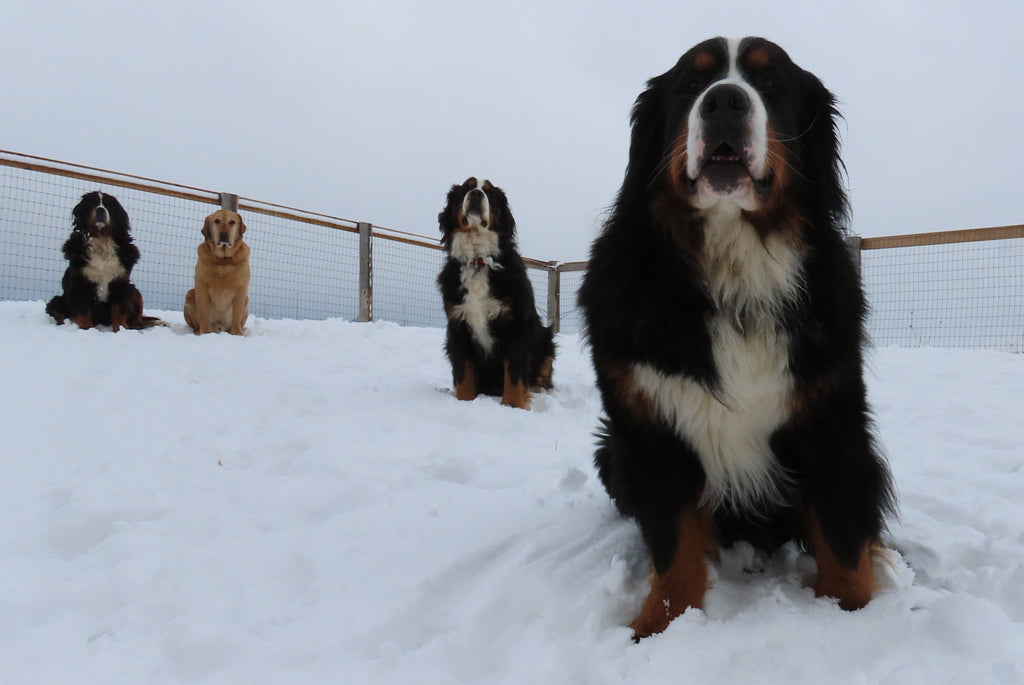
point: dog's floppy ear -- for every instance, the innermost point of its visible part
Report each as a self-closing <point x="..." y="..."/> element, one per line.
<point x="500" y="208"/>
<point x="241" y="226"/>
<point x="118" y="213"/>
<point x="442" y="218"/>
<point x="206" y="229"/>
<point x="646" y="144"/>
<point x="80" y="213"/>
<point x="823" y="166"/>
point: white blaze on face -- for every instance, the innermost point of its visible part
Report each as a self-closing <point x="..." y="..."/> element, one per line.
<point x="476" y="240"/>
<point x="100" y="215"/>
<point x="480" y="218"/>
<point x="755" y="143"/>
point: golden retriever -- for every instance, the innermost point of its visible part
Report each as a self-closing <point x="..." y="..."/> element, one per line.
<point x="220" y="300"/>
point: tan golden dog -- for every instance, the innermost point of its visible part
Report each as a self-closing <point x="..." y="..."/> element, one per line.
<point x="220" y="300"/>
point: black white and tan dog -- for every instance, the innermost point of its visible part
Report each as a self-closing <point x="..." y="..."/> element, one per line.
<point x="496" y="343"/>
<point x="96" y="284"/>
<point x="725" y="318"/>
<point x="220" y="299"/>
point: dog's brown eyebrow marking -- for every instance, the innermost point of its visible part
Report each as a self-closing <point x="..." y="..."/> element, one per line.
<point x="704" y="61"/>
<point x="757" y="58"/>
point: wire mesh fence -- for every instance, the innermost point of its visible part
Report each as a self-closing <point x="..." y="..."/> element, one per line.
<point x="961" y="294"/>
<point x="952" y="289"/>
<point x="304" y="265"/>
<point x="404" y="283"/>
<point x="35" y="220"/>
<point x="570" y="316"/>
<point x="299" y="270"/>
<point x="539" y="281"/>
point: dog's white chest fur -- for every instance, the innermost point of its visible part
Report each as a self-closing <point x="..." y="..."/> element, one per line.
<point x="479" y="307"/>
<point x="103" y="265"/>
<point x="749" y="281"/>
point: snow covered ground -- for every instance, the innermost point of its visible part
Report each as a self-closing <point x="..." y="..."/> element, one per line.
<point x="310" y="504"/>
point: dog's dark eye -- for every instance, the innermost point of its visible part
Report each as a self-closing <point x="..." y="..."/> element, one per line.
<point x="767" y="81"/>
<point x="694" y="85"/>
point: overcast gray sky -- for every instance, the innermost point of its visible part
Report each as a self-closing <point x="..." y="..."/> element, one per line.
<point x="371" y="110"/>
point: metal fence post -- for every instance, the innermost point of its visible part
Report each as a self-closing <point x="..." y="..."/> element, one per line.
<point x="229" y="201"/>
<point x="554" y="297"/>
<point x="853" y="245"/>
<point x="365" y="271"/>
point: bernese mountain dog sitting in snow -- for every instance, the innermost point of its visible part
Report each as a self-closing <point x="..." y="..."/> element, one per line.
<point x="96" y="284"/>
<point x="725" y="320"/>
<point x="496" y="343"/>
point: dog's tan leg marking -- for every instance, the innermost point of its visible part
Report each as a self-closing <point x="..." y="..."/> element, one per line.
<point x="466" y="388"/>
<point x="117" y="318"/>
<point x="545" y="374"/>
<point x="853" y="587"/>
<point x="682" y="585"/>
<point x="515" y="394"/>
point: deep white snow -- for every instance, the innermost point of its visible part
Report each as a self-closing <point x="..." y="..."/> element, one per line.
<point x="310" y="504"/>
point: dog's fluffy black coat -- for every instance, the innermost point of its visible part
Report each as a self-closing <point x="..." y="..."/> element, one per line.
<point x="495" y="338"/>
<point x="658" y="323"/>
<point x="97" y="289"/>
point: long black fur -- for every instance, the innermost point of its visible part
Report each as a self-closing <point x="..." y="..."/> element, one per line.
<point x="519" y="336"/>
<point x="644" y="301"/>
<point x="79" y="300"/>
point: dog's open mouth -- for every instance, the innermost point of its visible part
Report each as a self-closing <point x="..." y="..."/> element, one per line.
<point x="724" y="154"/>
<point x="725" y="170"/>
<point x="472" y="221"/>
<point x="725" y="159"/>
<point x="98" y="228"/>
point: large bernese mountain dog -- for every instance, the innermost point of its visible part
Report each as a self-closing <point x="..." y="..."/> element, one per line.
<point x="725" y="319"/>
<point x="496" y="342"/>
<point x="100" y="254"/>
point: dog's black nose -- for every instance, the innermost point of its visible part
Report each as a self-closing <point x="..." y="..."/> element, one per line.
<point x="476" y="200"/>
<point x="100" y="215"/>
<point x="724" y="101"/>
<point x="222" y="238"/>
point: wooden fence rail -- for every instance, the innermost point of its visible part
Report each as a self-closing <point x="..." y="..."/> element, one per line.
<point x="367" y="233"/>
